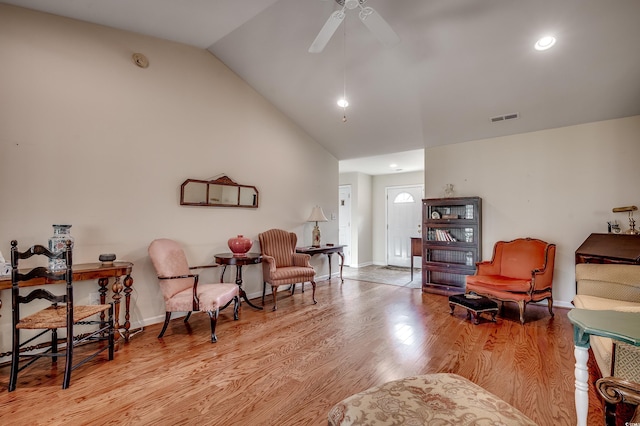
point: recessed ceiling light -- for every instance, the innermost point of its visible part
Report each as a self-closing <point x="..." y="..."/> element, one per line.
<point x="545" y="43"/>
<point x="342" y="103"/>
<point x="393" y="166"/>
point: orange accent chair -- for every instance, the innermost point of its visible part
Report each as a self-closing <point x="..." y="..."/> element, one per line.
<point x="281" y="265"/>
<point x="520" y="271"/>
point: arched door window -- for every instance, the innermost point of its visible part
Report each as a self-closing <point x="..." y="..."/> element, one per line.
<point x="403" y="197"/>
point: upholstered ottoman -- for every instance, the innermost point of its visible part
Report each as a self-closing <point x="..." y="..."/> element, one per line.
<point x="474" y="304"/>
<point x="438" y="399"/>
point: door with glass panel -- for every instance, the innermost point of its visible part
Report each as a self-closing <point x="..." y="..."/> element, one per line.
<point x="404" y="218"/>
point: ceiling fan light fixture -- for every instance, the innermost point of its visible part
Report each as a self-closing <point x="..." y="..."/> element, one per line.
<point x="545" y="43"/>
<point x="351" y="4"/>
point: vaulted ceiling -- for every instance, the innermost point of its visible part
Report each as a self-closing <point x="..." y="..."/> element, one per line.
<point x="458" y="63"/>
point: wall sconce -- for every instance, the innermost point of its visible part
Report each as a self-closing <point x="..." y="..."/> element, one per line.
<point x="317" y="215"/>
<point x="632" y="222"/>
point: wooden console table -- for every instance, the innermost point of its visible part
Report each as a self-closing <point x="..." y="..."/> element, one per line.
<point x="93" y="271"/>
<point x="416" y="250"/>
<point x="622" y="326"/>
<point x="328" y="250"/>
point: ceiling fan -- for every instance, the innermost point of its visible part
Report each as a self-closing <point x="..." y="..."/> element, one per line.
<point x="369" y="17"/>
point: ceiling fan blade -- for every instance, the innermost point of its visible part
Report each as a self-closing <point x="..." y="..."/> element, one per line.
<point x="378" y="26"/>
<point x="327" y="31"/>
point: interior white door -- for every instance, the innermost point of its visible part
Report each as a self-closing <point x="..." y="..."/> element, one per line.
<point x="404" y="218"/>
<point x="344" y="220"/>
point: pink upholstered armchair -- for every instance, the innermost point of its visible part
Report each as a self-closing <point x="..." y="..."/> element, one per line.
<point x="281" y="265"/>
<point x="520" y="271"/>
<point x="181" y="290"/>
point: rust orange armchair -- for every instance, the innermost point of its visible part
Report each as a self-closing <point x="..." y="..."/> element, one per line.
<point x="520" y="271"/>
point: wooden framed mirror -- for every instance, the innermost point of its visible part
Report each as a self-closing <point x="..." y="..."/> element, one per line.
<point x="221" y="192"/>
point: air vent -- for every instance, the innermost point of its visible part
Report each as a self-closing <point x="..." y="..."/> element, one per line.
<point x="505" y="117"/>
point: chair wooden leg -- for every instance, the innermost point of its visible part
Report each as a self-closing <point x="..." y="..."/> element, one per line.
<point x="186" y="318"/>
<point x="68" y="365"/>
<point x="54" y="345"/>
<point x="167" y="317"/>
<point x="550" y="303"/>
<point x="213" y="317"/>
<point x="274" y="290"/>
<point x="15" y="357"/>
<point x="522" y="307"/>
<point x="302" y="285"/>
<point x="313" y="296"/>
<point x="264" y="290"/>
<point x="236" y="305"/>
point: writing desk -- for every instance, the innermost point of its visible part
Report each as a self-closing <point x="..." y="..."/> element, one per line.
<point x="622" y="326"/>
<point x="328" y="250"/>
<point x="93" y="271"/>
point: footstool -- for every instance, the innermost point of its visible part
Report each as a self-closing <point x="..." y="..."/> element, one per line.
<point x="474" y="304"/>
<point x="443" y="399"/>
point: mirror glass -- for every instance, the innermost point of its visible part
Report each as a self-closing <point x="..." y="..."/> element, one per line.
<point x="221" y="192"/>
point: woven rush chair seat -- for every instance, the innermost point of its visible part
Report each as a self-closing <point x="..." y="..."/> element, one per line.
<point x="56" y="316"/>
<point x="446" y="399"/>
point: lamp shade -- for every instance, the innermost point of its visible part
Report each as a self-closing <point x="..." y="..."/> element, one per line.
<point x="317" y="215"/>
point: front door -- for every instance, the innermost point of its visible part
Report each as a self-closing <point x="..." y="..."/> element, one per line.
<point x="404" y="216"/>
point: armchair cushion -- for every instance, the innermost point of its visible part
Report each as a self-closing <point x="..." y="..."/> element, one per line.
<point x="210" y="298"/>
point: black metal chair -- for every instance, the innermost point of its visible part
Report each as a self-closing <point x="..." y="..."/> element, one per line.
<point x="61" y="313"/>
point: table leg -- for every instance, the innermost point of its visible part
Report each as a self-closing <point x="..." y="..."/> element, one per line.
<point x="128" y="288"/>
<point x="117" y="289"/>
<point x="412" y="267"/>
<point x="243" y="294"/>
<point x="582" y="387"/>
<point x="341" y="254"/>
<point x="329" y="256"/>
<point x="581" y="353"/>
<point x="103" y="282"/>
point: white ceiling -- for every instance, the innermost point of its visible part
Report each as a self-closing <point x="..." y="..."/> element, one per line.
<point x="459" y="63"/>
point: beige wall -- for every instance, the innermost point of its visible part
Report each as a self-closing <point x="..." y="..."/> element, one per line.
<point x="558" y="185"/>
<point x="89" y="139"/>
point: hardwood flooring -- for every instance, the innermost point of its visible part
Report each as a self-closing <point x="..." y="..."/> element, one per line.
<point x="291" y="366"/>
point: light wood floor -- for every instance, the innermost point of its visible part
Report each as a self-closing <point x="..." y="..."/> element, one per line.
<point x="289" y="367"/>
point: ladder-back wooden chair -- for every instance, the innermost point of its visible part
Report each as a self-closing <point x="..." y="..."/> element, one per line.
<point x="61" y="313"/>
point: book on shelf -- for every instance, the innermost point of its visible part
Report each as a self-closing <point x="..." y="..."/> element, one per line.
<point x="442" y="235"/>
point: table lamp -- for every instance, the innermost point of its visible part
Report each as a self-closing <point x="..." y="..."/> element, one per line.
<point x="317" y="215"/>
<point x="632" y="221"/>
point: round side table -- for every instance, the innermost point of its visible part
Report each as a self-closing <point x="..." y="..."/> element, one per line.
<point x="226" y="259"/>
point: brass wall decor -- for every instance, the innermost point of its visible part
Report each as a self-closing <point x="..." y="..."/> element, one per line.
<point x="140" y="60"/>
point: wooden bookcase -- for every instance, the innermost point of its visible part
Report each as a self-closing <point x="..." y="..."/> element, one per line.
<point x="451" y="242"/>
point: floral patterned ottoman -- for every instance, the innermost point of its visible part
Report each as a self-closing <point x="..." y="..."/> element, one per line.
<point x="432" y="399"/>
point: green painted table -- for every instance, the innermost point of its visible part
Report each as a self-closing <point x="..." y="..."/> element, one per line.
<point x="621" y="326"/>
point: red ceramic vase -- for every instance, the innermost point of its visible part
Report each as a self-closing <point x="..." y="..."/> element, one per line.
<point x="240" y="245"/>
